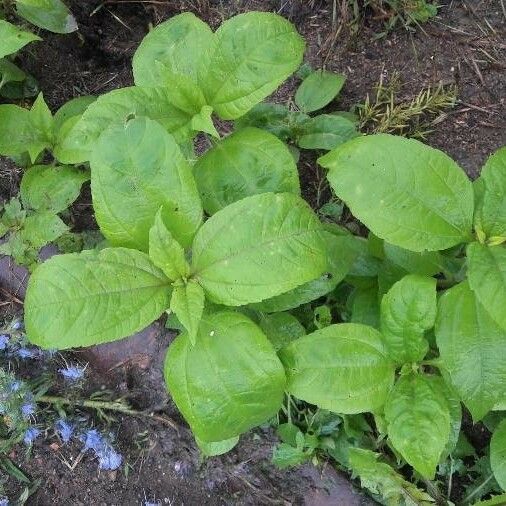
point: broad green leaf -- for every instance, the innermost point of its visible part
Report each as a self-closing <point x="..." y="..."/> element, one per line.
<point x="254" y="53"/>
<point x="10" y="73"/>
<point x="498" y="454"/>
<point x="42" y="228"/>
<point x="23" y="130"/>
<point x="248" y="162"/>
<point x="382" y="480"/>
<point x="81" y="299"/>
<point x="137" y="168"/>
<point x="340" y="252"/>
<point x="418" y="421"/>
<point x="215" y="448"/>
<point x="14" y="89"/>
<point x="365" y="306"/>
<point x="281" y="328"/>
<point x="70" y="109"/>
<point x="425" y="263"/>
<point x="118" y="106"/>
<point x="230" y="381"/>
<point x="407" y="311"/>
<point x="344" y="368"/>
<point x="203" y="122"/>
<point x="187" y="303"/>
<point x="326" y="131"/>
<point x="165" y="252"/>
<point x="497" y="500"/>
<point x="406" y="193"/>
<point x="258" y="247"/>
<point x="487" y="278"/>
<point x="51" y="15"/>
<point x="13" y="39"/>
<point x="472" y="348"/>
<point x="490" y="212"/>
<point x="182" y="45"/>
<point x="49" y="188"/>
<point x="318" y="89"/>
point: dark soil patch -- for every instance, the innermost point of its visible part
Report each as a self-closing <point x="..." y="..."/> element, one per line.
<point x="465" y="46"/>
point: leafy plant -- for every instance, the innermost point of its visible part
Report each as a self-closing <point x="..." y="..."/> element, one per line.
<point x="390" y="333"/>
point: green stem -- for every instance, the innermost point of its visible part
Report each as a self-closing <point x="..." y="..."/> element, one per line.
<point x="87" y="403"/>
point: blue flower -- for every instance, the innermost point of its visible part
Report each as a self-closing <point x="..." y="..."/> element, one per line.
<point x="27" y="409"/>
<point x="4" y="340"/>
<point x="14" y="387"/>
<point x="26" y="353"/>
<point x="109" y="459"/>
<point x="17" y="325"/>
<point x="146" y="503"/>
<point x="4" y="501"/>
<point x="92" y="440"/>
<point x="72" y="372"/>
<point x="64" y="430"/>
<point x="31" y="434"/>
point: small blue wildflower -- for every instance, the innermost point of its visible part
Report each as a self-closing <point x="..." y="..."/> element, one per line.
<point x="92" y="440"/>
<point x="17" y="325"/>
<point x="72" y="372"/>
<point x="146" y="503"/>
<point x="27" y="409"/>
<point x="14" y="387"/>
<point x="109" y="459"/>
<point x="26" y="353"/>
<point x="4" y="501"/>
<point x="4" y="340"/>
<point x="31" y="434"/>
<point x="64" y="430"/>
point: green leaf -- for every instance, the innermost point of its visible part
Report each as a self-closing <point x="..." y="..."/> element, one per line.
<point x="165" y="252"/>
<point x="203" y="122"/>
<point x="13" y="39"/>
<point x="497" y="500"/>
<point x="472" y="348"/>
<point x="258" y="247"/>
<point x="281" y="328"/>
<point x="49" y="188"/>
<point x="318" y="89"/>
<point x="51" y="15"/>
<point x="344" y="368"/>
<point x="285" y="456"/>
<point x="118" y="106"/>
<point x="425" y="263"/>
<point x="407" y="311"/>
<point x="42" y="228"/>
<point x="498" y="454"/>
<point x="248" y="162"/>
<point x="325" y="131"/>
<point x="380" y="479"/>
<point x="230" y="381"/>
<point x="187" y="303"/>
<point x="254" y="53"/>
<point x="490" y="212"/>
<point x="81" y="299"/>
<point x="487" y="278"/>
<point x="23" y="130"/>
<point x="406" y="193"/>
<point x="70" y="109"/>
<point x="214" y="448"/>
<point x="10" y="73"/>
<point x="274" y="118"/>
<point x="365" y="306"/>
<point x="418" y="421"/>
<point x="18" y="89"/>
<point x="136" y="169"/>
<point x="340" y="253"/>
<point x="182" y="45"/>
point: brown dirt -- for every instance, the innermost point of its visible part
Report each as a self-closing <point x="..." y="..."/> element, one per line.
<point x="465" y="45"/>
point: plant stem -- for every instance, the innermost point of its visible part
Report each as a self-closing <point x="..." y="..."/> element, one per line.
<point x="106" y="405"/>
<point x="476" y="490"/>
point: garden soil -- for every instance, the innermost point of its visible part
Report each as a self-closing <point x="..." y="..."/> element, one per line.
<point x="464" y="46"/>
